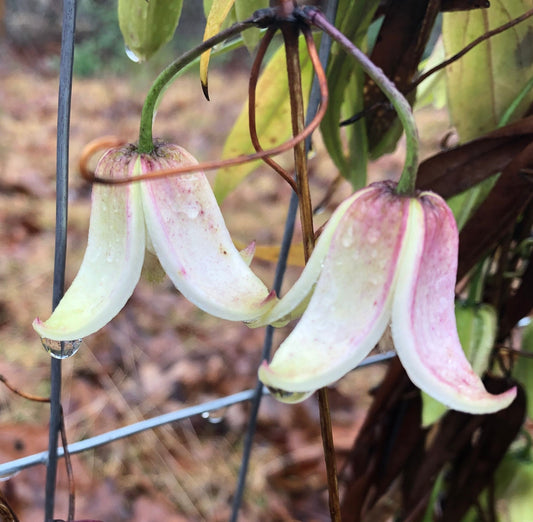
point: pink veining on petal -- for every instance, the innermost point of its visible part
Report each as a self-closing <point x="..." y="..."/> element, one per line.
<point x="194" y="247"/>
<point x="350" y="307"/>
<point x="423" y="319"/>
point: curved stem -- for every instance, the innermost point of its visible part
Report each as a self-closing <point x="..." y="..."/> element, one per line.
<point x="252" y="90"/>
<point x="146" y="144"/>
<point x="406" y="185"/>
<point x="230" y="162"/>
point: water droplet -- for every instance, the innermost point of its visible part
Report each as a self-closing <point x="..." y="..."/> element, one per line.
<point x="215" y="416"/>
<point x="61" y="349"/>
<point x="372" y="236"/>
<point x="348" y="238"/>
<point x="8" y="476"/>
<point x="191" y="210"/>
<point x="287" y="396"/>
<point x="131" y="55"/>
<point x="109" y="258"/>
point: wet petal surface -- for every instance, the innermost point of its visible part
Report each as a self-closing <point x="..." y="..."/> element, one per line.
<point x="350" y="307"/>
<point x="191" y="240"/>
<point x="112" y="263"/>
<point x="423" y="319"/>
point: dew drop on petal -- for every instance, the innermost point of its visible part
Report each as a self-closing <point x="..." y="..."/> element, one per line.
<point x="191" y="210"/>
<point x="61" y="349"/>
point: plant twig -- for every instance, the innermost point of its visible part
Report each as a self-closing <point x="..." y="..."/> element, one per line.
<point x="252" y="88"/>
<point x="146" y="144"/>
<point x="469" y="47"/>
<point x="290" y="36"/>
<point x="216" y="164"/>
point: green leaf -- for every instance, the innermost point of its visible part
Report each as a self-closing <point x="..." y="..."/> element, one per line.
<point x="348" y="147"/>
<point x="272" y="116"/>
<point x="483" y="83"/>
<point x="147" y="26"/>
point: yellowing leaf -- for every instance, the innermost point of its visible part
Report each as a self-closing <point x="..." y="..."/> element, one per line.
<point x="217" y="14"/>
<point x="272" y="118"/>
<point x="483" y="83"/>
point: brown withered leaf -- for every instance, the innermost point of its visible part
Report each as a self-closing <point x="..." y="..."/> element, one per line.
<point x="388" y="438"/>
<point x="399" y="47"/>
<point x="518" y="305"/>
<point x="454" y="171"/>
<point x="474" y="444"/>
<point x="498" y="213"/>
<point x="474" y="466"/>
<point x="6" y="513"/>
<point x="463" y="5"/>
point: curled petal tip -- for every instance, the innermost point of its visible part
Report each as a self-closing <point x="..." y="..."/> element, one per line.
<point x="248" y="253"/>
<point x="271" y="297"/>
<point x="423" y="319"/>
<point x="282" y="395"/>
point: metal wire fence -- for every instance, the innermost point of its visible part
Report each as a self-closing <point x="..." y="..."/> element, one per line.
<point x="50" y="457"/>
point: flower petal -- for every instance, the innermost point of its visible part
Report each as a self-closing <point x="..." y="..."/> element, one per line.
<point x="350" y="307"/>
<point x="295" y="301"/>
<point x="423" y="320"/>
<point x="191" y="240"/>
<point x="113" y="259"/>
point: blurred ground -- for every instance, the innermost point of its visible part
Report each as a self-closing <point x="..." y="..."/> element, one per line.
<point x="160" y="353"/>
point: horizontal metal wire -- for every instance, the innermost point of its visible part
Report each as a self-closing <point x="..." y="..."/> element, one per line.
<point x="9" y="469"/>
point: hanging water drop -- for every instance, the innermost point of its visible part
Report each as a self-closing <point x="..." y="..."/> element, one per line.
<point x="131" y="55"/>
<point x="215" y="416"/>
<point x="61" y="349"/>
<point x="8" y="476"/>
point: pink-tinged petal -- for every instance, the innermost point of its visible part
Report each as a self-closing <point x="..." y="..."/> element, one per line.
<point x="295" y="301"/>
<point x="423" y="320"/>
<point x="113" y="259"/>
<point x="248" y="253"/>
<point x="191" y="240"/>
<point x="350" y="307"/>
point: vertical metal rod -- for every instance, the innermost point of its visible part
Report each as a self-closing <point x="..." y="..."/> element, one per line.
<point x="314" y="100"/>
<point x="62" y="155"/>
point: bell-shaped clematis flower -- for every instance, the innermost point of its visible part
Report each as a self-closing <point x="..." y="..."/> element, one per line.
<point x="383" y="258"/>
<point x="179" y="220"/>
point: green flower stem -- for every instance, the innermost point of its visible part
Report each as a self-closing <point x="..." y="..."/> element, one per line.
<point x="406" y="185"/>
<point x="146" y="144"/>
